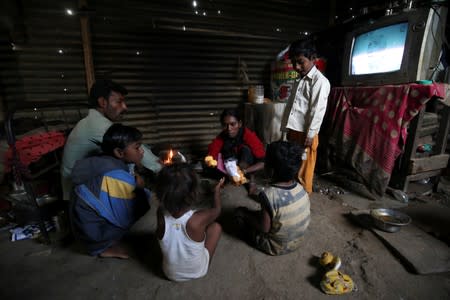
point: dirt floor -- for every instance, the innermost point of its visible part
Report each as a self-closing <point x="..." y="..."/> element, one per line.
<point x="37" y="271"/>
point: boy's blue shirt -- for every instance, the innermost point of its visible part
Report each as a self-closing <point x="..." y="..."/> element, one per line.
<point x="106" y="185"/>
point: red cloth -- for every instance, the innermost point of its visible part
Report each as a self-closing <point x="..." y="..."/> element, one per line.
<point x="367" y="126"/>
<point x="249" y="138"/>
<point x="32" y="148"/>
<point x="321" y="64"/>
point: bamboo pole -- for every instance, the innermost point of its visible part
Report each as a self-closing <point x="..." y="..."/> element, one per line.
<point x="332" y="20"/>
<point x="87" y="46"/>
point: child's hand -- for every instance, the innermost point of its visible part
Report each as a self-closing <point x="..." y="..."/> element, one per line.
<point x="139" y="181"/>
<point x="220" y="184"/>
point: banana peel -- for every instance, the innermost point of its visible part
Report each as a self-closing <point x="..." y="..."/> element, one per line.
<point x="334" y="282"/>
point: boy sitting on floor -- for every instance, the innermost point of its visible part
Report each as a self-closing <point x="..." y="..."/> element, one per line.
<point x="285" y="209"/>
<point x="108" y="198"/>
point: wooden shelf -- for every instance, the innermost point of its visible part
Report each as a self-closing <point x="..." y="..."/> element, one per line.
<point x="428" y="127"/>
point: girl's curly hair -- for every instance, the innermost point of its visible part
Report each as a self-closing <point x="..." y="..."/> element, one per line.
<point x="177" y="187"/>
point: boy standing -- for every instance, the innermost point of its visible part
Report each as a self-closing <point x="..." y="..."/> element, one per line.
<point x="306" y="107"/>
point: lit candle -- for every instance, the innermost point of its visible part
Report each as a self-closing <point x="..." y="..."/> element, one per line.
<point x="168" y="161"/>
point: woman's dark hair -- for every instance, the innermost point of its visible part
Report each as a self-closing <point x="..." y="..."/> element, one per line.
<point x="119" y="136"/>
<point x="177" y="187"/>
<point x="284" y="158"/>
<point x="232" y="112"/>
<point x="303" y="47"/>
<point x="103" y="88"/>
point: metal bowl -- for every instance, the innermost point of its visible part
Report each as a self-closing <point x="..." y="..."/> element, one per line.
<point x="389" y="220"/>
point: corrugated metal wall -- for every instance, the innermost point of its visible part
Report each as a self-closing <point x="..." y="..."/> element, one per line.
<point x="43" y="61"/>
<point x="182" y="64"/>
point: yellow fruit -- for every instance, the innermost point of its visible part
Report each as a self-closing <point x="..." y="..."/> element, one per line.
<point x="241" y="179"/>
<point x="336" y="283"/>
<point x="236" y="179"/>
<point x="326" y="258"/>
<point x="210" y="161"/>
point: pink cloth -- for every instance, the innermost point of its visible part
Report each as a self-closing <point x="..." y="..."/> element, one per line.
<point x="220" y="164"/>
<point x="367" y="126"/>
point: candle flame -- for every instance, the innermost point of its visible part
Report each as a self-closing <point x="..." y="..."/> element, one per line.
<point x="168" y="161"/>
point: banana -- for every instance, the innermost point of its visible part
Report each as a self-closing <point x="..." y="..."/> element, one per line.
<point x="210" y="161"/>
<point x="241" y="179"/>
<point x="327" y="259"/>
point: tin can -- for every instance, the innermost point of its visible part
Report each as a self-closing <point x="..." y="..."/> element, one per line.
<point x="256" y="94"/>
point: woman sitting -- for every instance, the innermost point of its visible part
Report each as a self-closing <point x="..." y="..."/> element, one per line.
<point x="238" y="142"/>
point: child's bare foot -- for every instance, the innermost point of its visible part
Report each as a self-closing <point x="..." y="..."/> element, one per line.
<point x="115" y="251"/>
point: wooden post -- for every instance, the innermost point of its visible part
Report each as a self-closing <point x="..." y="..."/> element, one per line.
<point x="87" y="47"/>
<point x="331" y="19"/>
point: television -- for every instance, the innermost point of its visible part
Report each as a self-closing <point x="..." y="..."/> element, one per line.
<point x="395" y="49"/>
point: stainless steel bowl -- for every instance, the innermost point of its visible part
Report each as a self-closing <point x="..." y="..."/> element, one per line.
<point x="389" y="220"/>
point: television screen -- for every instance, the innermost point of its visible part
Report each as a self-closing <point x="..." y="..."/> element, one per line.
<point x="379" y="50"/>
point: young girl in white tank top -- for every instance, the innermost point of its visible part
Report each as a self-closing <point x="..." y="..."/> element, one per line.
<point x="187" y="237"/>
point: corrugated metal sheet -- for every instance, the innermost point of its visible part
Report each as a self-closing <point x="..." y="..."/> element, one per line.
<point x="43" y="60"/>
<point x="182" y="68"/>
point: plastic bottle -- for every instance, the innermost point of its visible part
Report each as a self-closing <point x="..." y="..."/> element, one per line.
<point x="304" y="154"/>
